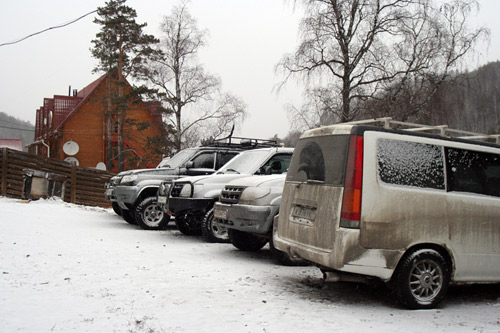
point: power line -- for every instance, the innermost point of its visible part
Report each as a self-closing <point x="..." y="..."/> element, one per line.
<point x="10" y="122"/>
<point x="54" y="27"/>
<point x="20" y="129"/>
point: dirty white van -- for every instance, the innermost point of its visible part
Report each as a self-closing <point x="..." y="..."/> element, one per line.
<point x="416" y="210"/>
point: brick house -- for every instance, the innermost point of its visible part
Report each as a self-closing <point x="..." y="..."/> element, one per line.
<point x="74" y="128"/>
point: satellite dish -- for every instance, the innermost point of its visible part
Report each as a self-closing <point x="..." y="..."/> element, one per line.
<point x="72" y="160"/>
<point x="100" y="166"/>
<point x="71" y="148"/>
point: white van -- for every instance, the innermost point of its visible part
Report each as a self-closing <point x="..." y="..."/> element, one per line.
<point x="419" y="211"/>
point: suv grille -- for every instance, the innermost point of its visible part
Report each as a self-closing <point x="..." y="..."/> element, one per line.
<point x="231" y="194"/>
<point x="176" y="189"/>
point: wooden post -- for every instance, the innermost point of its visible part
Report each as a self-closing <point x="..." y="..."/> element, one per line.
<point x="5" y="161"/>
<point x="73" y="182"/>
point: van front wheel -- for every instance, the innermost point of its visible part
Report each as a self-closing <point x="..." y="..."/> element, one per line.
<point x="421" y="279"/>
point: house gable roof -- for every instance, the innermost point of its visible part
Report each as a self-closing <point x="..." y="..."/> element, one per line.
<point x="84" y="94"/>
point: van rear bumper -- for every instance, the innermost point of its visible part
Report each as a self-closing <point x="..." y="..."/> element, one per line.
<point x="367" y="262"/>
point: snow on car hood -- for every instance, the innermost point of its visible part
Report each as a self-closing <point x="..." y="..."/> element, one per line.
<point x="265" y="180"/>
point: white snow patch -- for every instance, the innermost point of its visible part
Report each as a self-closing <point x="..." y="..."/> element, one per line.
<point x="65" y="268"/>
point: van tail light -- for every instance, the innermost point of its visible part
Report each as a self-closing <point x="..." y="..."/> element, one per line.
<point x="350" y="215"/>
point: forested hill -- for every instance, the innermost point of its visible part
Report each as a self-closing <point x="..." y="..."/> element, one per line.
<point x="13" y="128"/>
<point x="470" y="101"/>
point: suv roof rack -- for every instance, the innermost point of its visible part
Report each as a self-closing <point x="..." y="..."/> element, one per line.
<point x="243" y="143"/>
<point x="442" y="130"/>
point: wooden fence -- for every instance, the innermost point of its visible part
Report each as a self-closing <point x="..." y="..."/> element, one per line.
<point x="84" y="186"/>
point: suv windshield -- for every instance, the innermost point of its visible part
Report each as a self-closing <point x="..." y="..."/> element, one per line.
<point x="178" y="159"/>
<point x="246" y="162"/>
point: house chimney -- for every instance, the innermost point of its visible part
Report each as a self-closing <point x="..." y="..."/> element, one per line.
<point x="69" y="91"/>
<point x="75" y="92"/>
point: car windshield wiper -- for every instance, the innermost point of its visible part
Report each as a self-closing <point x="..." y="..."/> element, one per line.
<point x="232" y="170"/>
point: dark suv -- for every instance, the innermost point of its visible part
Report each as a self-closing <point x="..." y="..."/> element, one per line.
<point x="134" y="193"/>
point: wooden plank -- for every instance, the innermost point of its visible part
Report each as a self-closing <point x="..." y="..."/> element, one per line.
<point x="5" y="161"/>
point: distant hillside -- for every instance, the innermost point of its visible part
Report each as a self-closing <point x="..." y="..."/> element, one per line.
<point x="13" y="128"/>
<point x="467" y="101"/>
<point x="470" y="101"/>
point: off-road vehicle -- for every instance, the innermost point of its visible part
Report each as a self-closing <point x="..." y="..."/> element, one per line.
<point x="134" y="192"/>
<point x="192" y="198"/>
<point x="247" y="208"/>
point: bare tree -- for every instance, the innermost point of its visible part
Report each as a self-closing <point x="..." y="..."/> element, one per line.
<point x="192" y="95"/>
<point x="358" y="50"/>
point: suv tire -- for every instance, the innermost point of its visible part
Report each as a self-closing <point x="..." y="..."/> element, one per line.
<point x="187" y="224"/>
<point x="116" y="208"/>
<point x="150" y="216"/>
<point x="128" y="216"/>
<point x="245" y="241"/>
<point x="213" y="232"/>
<point x="421" y="279"/>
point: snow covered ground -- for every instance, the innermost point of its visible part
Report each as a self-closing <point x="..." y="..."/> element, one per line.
<point x="73" y="268"/>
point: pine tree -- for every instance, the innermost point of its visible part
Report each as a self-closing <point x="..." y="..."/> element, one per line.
<point x="121" y="47"/>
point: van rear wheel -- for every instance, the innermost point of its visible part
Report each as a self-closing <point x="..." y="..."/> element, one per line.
<point x="421" y="279"/>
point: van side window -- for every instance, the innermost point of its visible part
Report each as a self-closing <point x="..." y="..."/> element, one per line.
<point x="474" y="172"/>
<point x="410" y="164"/>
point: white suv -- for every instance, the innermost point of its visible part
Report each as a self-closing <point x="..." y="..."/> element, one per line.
<point x="192" y="198"/>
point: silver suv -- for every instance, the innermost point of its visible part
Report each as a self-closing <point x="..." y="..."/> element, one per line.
<point x="134" y="192"/>
<point x="192" y="198"/>
<point x="247" y="208"/>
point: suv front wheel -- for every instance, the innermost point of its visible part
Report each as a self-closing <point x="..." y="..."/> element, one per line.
<point x="213" y="232"/>
<point x="150" y="216"/>
<point x="188" y="223"/>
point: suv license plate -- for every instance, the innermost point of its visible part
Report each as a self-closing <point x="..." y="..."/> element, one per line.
<point x="109" y="192"/>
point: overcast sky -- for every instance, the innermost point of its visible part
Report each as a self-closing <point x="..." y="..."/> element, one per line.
<point x="246" y="40"/>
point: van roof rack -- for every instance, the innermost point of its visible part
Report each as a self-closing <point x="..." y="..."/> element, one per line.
<point x="442" y="130"/>
<point x="240" y="142"/>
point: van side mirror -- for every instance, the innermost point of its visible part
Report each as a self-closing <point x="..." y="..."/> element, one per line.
<point x="189" y="165"/>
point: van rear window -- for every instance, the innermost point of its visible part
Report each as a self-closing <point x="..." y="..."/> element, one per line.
<point x="410" y="164"/>
<point x="320" y="159"/>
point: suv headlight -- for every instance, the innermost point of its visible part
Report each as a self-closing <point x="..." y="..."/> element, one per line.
<point x="253" y="193"/>
<point x="186" y="191"/>
<point x="128" y="180"/>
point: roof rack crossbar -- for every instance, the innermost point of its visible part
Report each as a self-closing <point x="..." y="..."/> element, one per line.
<point x="443" y="130"/>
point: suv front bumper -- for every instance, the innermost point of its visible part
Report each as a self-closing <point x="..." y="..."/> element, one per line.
<point x="247" y="218"/>
<point x="176" y="204"/>
<point x="125" y="194"/>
